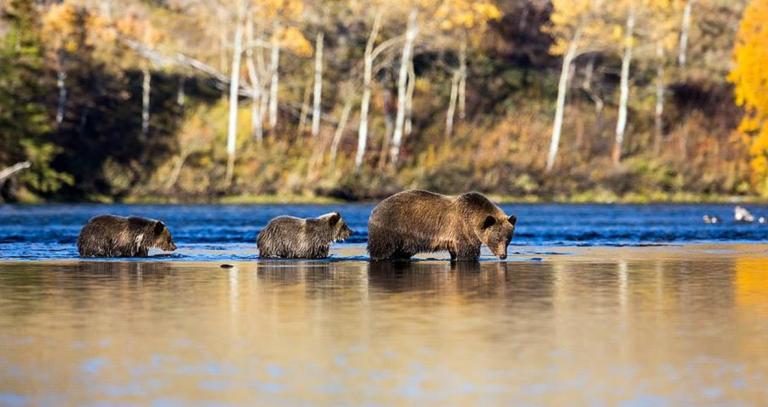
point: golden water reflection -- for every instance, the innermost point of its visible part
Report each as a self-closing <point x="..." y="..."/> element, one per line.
<point x="622" y="327"/>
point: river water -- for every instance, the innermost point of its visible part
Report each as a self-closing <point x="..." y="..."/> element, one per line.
<point x="677" y="316"/>
<point x="221" y="232"/>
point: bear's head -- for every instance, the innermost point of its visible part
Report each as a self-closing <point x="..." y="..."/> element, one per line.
<point x="340" y="230"/>
<point x="162" y="238"/>
<point x="496" y="232"/>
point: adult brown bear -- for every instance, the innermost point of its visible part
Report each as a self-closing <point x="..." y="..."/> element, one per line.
<point x="117" y="236"/>
<point x="421" y="221"/>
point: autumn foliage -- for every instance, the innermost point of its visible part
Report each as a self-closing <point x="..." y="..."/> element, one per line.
<point x="196" y="100"/>
<point x="750" y="78"/>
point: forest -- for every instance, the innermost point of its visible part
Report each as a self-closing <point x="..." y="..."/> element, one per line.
<point x="304" y="101"/>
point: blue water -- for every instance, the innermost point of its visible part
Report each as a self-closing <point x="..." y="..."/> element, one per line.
<point x="208" y="232"/>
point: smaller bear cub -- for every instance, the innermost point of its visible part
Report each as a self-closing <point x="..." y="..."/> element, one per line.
<point x="296" y="238"/>
<point x="117" y="236"/>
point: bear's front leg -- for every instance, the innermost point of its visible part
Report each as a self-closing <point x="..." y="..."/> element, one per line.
<point x="464" y="252"/>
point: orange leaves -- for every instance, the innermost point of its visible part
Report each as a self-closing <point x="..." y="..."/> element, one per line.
<point x="750" y="79"/>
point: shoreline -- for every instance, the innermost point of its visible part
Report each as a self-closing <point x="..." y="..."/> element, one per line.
<point x="587" y="199"/>
<point x="355" y="253"/>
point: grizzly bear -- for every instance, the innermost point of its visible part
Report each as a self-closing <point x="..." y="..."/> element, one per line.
<point x="296" y="238"/>
<point x="421" y="221"/>
<point x="117" y="236"/>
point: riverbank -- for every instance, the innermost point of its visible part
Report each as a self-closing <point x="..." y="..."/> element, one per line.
<point x="584" y="198"/>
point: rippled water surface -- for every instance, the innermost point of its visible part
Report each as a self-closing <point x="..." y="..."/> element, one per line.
<point x="214" y="232"/>
<point x="569" y="319"/>
<point x="641" y="326"/>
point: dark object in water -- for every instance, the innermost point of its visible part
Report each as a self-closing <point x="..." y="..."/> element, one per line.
<point x="711" y="219"/>
<point x="742" y="215"/>
<point x="227" y="266"/>
<point x="421" y="221"/>
<point x="117" y="236"/>
<point x="296" y="238"/>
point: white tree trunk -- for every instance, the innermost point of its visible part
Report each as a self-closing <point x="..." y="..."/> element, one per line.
<point x="234" y="88"/>
<point x="146" y="88"/>
<point x="341" y="127"/>
<point x="181" y="96"/>
<point x="626" y="60"/>
<point x="455" y="79"/>
<point x="318" y="90"/>
<point x="273" y="85"/>
<point x="659" y="111"/>
<point x="362" y="132"/>
<point x="61" y="84"/>
<point x="397" y="137"/>
<point x="562" y="90"/>
<point x="304" y="109"/>
<point x="257" y="128"/>
<point x="409" y="99"/>
<point x="7" y="172"/>
<point x="463" y="79"/>
<point x="684" y="29"/>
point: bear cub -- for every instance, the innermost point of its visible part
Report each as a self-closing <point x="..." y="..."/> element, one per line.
<point x="416" y="221"/>
<point x="296" y="238"/>
<point x="118" y="236"/>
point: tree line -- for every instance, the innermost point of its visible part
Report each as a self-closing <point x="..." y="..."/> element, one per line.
<point x="531" y="99"/>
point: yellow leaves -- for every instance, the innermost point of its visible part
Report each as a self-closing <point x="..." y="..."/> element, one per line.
<point x="292" y="39"/>
<point x="139" y="29"/>
<point x="750" y="79"/>
<point x="270" y="9"/>
<point x="60" y="26"/>
<point x="466" y="14"/>
<point x="63" y="23"/>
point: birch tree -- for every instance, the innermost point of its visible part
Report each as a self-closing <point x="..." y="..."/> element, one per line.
<point x="570" y="20"/>
<point x="412" y="30"/>
<point x="234" y="88"/>
<point x="318" y="88"/>
<point x="463" y="23"/>
<point x="685" y="28"/>
<point x="626" y="60"/>
<point x="368" y="56"/>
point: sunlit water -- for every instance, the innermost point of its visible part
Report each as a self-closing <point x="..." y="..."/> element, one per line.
<point x="641" y="326"/>
<point x="667" y="321"/>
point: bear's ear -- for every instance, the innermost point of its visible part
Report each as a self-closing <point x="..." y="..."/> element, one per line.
<point x="488" y="222"/>
<point x="512" y="219"/>
<point x="159" y="227"/>
<point x="333" y="218"/>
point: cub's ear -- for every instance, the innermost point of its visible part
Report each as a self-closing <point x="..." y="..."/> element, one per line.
<point x="333" y="218"/>
<point x="159" y="227"/>
<point x="512" y="219"/>
<point x="488" y="222"/>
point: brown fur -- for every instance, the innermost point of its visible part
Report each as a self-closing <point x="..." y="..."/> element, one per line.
<point x="421" y="221"/>
<point x="296" y="238"/>
<point x="117" y="236"/>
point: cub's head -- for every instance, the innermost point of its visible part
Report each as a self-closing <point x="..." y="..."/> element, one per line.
<point x="496" y="232"/>
<point x="162" y="237"/>
<point x="340" y="230"/>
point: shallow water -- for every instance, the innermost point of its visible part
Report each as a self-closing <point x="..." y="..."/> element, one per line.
<point x="639" y="326"/>
<point x="228" y="232"/>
